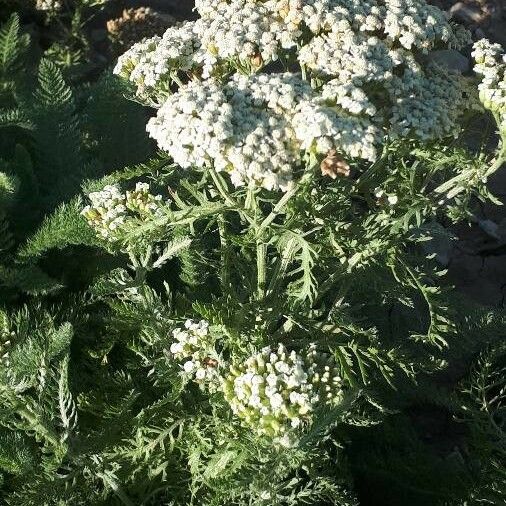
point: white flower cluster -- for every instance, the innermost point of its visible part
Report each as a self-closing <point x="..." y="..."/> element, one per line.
<point x="256" y="128"/>
<point x="414" y="23"/>
<point x="244" y="29"/>
<point x="491" y="64"/>
<point x="48" y="5"/>
<point x="362" y="58"/>
<point x="427" y="105"/>
<point x="259" y="31"/>
<point x="275" y="391"/>
<point x="153" y="63"/>
<point x="110" y="209"/>
<point x="348" y="56"/>
<point x="194" y="347"/>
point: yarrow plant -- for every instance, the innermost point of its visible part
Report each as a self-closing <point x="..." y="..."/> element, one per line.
<point x="304" y="159"/>
<point x="265" y="92"/>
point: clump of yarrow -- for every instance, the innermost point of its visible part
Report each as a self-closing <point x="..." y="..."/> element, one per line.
<point x="276" y="391"/>
<point x="111" y="210"/>
<point x="491" y="65"/>
<point x="361" y="73"/>
<point x="193" y="349"/>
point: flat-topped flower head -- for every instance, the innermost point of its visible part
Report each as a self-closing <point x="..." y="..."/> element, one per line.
<point x="153" y="64"/>
<point x="425" y="104"/>
<point x="256" y="128"/>
<point x="276" y="391"/>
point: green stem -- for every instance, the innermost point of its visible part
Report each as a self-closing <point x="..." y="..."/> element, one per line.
<point x="260" y="229"/>
<point x="278" y="208"/>
<point x="221" y="186"/>
<point x="37" y="427"/>
<point x="225" y="256"/>
<point x="261" y="267"/>
<point x="116" y="488"/>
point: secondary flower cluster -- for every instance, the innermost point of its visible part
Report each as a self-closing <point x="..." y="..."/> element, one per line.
<point x="491" y="64"/>
<point x="193" y="346"/>
<point x="111" y="210"/>
<point x="362" y="58"/>
<point x="153" y="63"/>
<point x="275" y="391"/>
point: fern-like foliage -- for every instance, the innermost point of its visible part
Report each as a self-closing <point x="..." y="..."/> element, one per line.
<point x="63" y="228"/>
<point x="484" y="396"/>
<point x="14" y="118"/>
<point x="56" y="135"/>
<point x="13" y="44"/>
<point x="30" y="390"/>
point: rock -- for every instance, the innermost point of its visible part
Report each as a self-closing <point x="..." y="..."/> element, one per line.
<point x="451" y="59"/>
<point x="466" y="13"/>
<point x="490" y="228"/>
